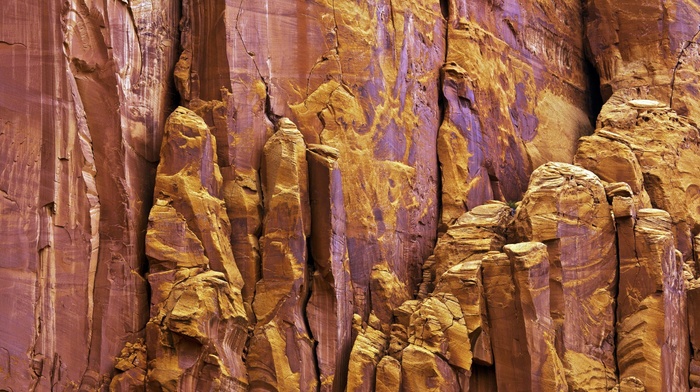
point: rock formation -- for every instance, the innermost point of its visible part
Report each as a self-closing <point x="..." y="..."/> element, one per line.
<point x="332" y="195"/>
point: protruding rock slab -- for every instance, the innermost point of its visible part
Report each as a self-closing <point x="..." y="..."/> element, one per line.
<point x="664" y="161"/>
<point x="423" y="370"/>
<point x="281" y="354"/>
<point x="367" y="352"/>
<point x="476" y="232"/>
<point x="464" y="282"/>
<point x="530" y="265"/>
<point x="329" y="310"/>
<point x="566" y="208"/>
<point x="197" y="335"/>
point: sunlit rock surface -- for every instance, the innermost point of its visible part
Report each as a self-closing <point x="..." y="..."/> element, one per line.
<point x="391" y="195"/>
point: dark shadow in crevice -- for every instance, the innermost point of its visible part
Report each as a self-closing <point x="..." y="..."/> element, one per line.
<point x="596" y="95"/>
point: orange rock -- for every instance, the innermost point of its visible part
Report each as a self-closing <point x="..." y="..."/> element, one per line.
<point x="652" y="342"/>
<point x="198" y="327"/>
<point x="515" y="88"/>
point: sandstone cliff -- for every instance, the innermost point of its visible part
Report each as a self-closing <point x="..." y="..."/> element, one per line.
<point x="337" y="195"/>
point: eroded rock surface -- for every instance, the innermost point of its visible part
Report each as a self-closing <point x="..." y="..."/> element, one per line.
<point x="566" y="208"/>
<point x="321" y="217"/>
<point x="198" y="327"/>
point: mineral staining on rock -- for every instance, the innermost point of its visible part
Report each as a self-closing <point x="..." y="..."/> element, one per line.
<point x="352" y="196"/>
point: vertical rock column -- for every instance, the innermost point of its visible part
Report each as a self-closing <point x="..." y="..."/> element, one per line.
<point x="281" y="354"/>
<point x="508" y="340"/>
<point x="198" y="326"/>
<point x="329" y="310"/>
<point x="530" y="266"/>
<point x="652" y="343"/>
<point x="566" y="208"/>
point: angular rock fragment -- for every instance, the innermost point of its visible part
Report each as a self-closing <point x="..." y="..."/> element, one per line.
<point x="478" y="231"/>
<point x="367" y="351"/>
<point x="464" y="282"/>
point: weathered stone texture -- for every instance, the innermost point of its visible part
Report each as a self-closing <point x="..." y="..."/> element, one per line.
<point x="566" y="208"/>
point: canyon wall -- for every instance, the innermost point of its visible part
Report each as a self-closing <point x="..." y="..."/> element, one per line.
<point x="394" y="195"/>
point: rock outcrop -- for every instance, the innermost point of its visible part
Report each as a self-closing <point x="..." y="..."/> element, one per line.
<point x="198" y="327"/>
<point x="563" y="205"/>
<point x="333" y="195"/>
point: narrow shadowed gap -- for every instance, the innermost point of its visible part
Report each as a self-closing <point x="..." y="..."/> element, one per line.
<point x="445" y="8"/>
<point x="595" y="96"/>
<point x="442" y="109"/>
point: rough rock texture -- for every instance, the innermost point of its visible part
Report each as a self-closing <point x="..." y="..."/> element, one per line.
<point x="198" y="326"/>
<point x="84" y="92"/>
<point x="665" y="147"/>
<point x="530" y="264"/>
<point x="652" y="341"/>
<point x="322" y="216"/>
<point x="648" y="45"/>
<point x="564" y="205"/>
<point x="515" y="87"/>
<point x="281" y="353"/>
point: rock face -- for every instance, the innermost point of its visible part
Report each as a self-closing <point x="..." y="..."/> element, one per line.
<point x="333" y="195"/>
<point x="661" y="59"/>
<point x="85" y="93"/>
<point x="516" y="95"/>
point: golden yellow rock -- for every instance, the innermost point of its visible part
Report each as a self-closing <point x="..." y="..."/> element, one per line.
<point x="666" y="148"/>
<point x="367" y="351"/>
<point x="388" y="375"/>
<point x="478" y="231"/>
<point x="197" y="336"/>
<point x="198" y="327"/>
<point x="281" y="353"/>
<point x="423" y="370"/>
<point x="464" y="282"/>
